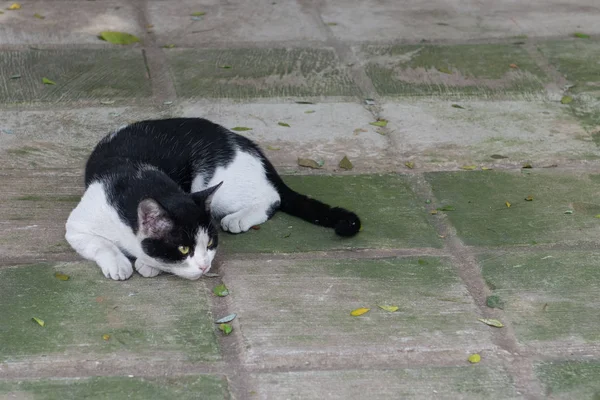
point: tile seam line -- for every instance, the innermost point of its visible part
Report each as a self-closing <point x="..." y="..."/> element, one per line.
<point x="155" y="61"/>
<point x="468" y="269"/>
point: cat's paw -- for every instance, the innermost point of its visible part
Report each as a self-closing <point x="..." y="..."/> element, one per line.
<point x="145" y="270"/>
<point x="117" y="267"/>
<point x="243" y="220"/>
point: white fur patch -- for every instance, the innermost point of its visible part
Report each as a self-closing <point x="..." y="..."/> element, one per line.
<point x="246" y="195"/>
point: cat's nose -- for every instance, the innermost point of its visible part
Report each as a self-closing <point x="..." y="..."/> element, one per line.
<point x="203" y="268"/>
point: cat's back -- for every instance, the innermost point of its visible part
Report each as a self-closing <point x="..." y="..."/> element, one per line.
<point x="177" y="146"/>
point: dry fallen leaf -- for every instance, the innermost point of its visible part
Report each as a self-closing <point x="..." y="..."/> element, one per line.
<point x="357" y="131"/>
<point x="226" y="319"/>
<point x="307" y="162"/>
<point x="527" y="165"/>
<point x="226" y="328"/>
<point x="273" y="148"/>
<point x="514" y="66"/>
<point x="14" y="6"/>
<point x="255" y="227"/>
<point x="433" y="212"/>
<point x="106" y="337"/>
<point x="198" y="14"/>
<point x="221" y="290"/>
<point x="468" y="167"/>
<point x="359" y="312"/>
<point x="529" y="198"/>
<point x="474" y="358"/>
<point x="566" y="100"/>
<point x="491" y="322"/>
<point x="61" y="276"/>
<point x="169" y="46"/>
<point x="345" y="163"/>
<point x="380" y="123"/>
<point x="486" y="168"/>
<point x="40" y="322"/>
<point x="507" y="204"/>
<point x="38" y="16"/>
<point x="118" y="37"/>
<point x="211" y="275"/>
<point x="458" y="106"/>
<point x="597" y="216"/>
<point x="309" y="111"/>
<point x="241" y="129"/>
<point x="409" y="164"/>
<point x="389" y="308"/>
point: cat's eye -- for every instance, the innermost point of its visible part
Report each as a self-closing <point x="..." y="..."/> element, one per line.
<point x="210" y="243"/>
<point x="183" y="249"/>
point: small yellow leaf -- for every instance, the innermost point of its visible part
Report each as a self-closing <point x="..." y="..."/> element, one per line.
<point x="283" y="124"/>
<point x="345" y="163"/>
<point x="566" y="100"/>
<point x="527" y="165"/>
<point x="198" y="14"/>
<point x="492" y="322"/>
<point x="15" y="6"/>
<point x="507" y="204"/>
<point x="380" y="123"/>
<point x="307" y="162"/>
<point x="273" y="148"/>
<point x="169" y="46"/>
<point x="529" y="198"/>
<point x="359" y="311"/>
<point x="225" y="328"/>
<point x="106" y="337"/>
<point x="486" y="168"/>
<point x="433" y="212"/>
<point x="474" y="358"/>
<point x="40" y="322"/>
<point x="241" y="129"/>
<point x="118" y="37"/>
<point x="468" y="167"/>
<point x="38" y="16"/>
<point x="47" y="81"/>
<point x="61" y="276"/>
<point x="597" y="216"/>
<point x="388" y="308"/>
<point x="409" y="164"/>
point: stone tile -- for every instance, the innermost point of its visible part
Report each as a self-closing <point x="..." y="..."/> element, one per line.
<point x="161" y="318"/>
<point x="550" y="297"/>
<point x="434" y="133"/>
<point x="328" y="132"/>
<point x="480" y="69"/>
<point x="298" y="312"/>
<point x="393" y="217"/>
<point x="469" y="382"/>
<point x="481" y="217"/>
<point x="78" y="74"/>
<point x="576" y="60"/>
<point x="234" y="21"/>
<point x="258" y="73"/>
<point x="66" y="22"/>
<point x="415" y="20"/>
<point x="570" y="379"/>
<point x="117" y="388"/>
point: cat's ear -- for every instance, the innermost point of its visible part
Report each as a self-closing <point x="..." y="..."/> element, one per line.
<point x="153" y="220"/>
<point x="204" y="197"/>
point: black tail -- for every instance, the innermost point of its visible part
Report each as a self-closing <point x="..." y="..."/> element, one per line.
<point x="345" y="222"/>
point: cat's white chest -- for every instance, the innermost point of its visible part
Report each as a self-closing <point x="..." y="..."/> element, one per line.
<point x="96" y="216"/>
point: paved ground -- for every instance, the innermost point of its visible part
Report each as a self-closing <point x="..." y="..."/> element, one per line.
<point x="472" y="94"/>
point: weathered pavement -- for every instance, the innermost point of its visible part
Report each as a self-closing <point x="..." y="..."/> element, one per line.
<point x="475" y="84"/>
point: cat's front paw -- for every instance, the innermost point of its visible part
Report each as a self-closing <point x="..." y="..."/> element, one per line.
<point x="145" y="270"/>
<point x="117" y="267"/>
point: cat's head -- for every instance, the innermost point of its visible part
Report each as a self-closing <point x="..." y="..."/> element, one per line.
<point x="177" y="233"/>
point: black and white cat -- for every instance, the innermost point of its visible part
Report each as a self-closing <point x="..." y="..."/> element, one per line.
<point x="154" y="187"/>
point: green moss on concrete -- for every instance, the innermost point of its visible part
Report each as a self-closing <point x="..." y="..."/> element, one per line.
<point x="390" y="213"/>
<point x="117" y="388"/>
<point x="570" y="379"/>
<point x="459" y="69"/>
<point x="549" y="296"/>
<point x="143" y="316"/>
<point x="482" y="218"/>
<point x="79" y="75"/>
<point x="577" y="60"/>
<point x="258" y="73"/>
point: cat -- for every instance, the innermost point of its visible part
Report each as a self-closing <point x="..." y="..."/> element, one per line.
<point x="155" y="188"/>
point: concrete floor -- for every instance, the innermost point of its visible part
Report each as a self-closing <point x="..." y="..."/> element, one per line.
<point x="487" y="103"/>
